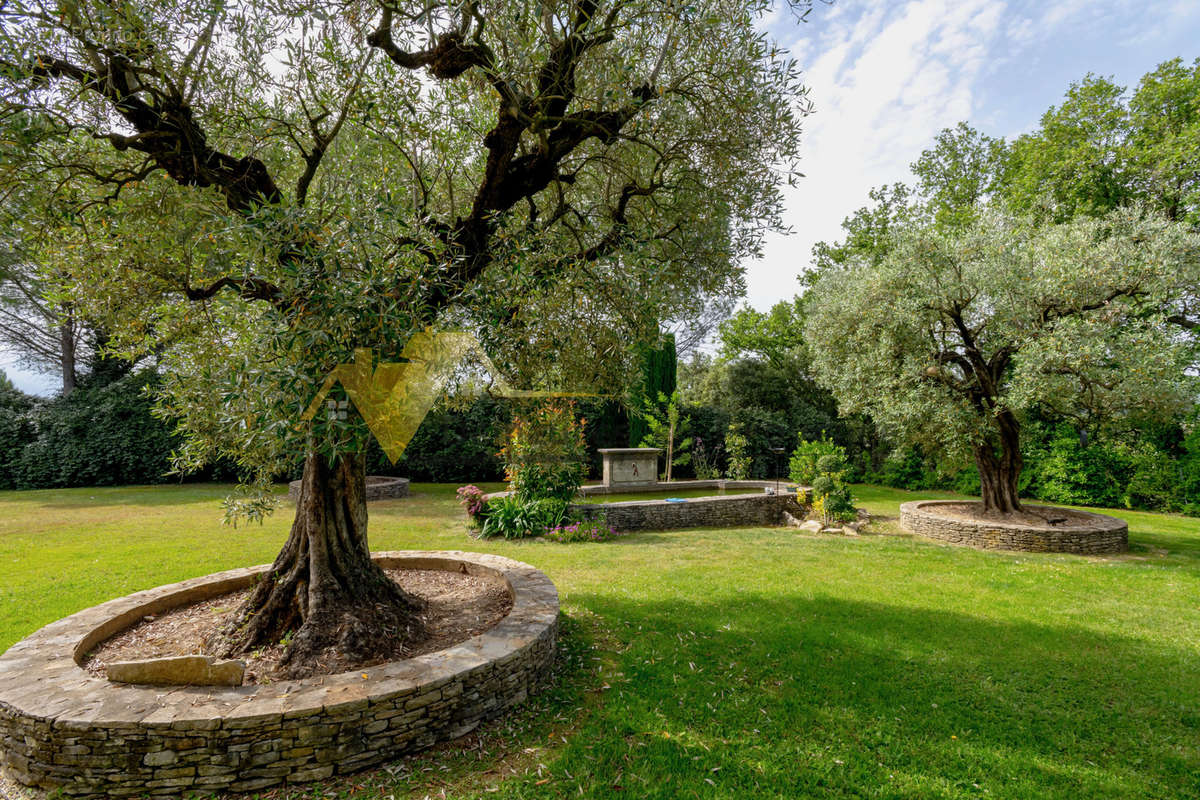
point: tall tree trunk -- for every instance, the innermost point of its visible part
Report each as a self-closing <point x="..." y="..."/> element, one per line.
<point x="339" y="608"/>
<point x="1000" y="463"/>
<point x="66" y="351"/>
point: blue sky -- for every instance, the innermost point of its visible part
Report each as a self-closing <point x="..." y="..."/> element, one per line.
<point x="886" y="76"/>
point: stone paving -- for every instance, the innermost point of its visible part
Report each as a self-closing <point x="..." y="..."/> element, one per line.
<point x="62" y="728"/>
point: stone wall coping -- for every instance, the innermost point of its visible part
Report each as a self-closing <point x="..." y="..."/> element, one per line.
<point x="629" y="450"/>
<point x="41" y="677"/>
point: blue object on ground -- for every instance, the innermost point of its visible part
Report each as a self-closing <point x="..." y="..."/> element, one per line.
<point x="676" y="499"/>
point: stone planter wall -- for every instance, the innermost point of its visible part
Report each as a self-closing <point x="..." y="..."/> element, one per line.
<point x="1105" y="535"/>
<point x="728" y="511"/>
<point x="379" y="487"/>
<point x="62" y="728"/>
<point x="718" y="511"/>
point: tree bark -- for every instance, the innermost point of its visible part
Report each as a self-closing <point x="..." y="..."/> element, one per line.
<point x="1000" y="463"/>
<point x="66" y="353"/>
<point x="324" y="599"/>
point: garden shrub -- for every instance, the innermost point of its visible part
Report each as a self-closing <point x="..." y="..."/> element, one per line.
<point x="1154" y="482"/>
<point x="545" y="453"/>
<point x="832" y="500"/>
<point x="709" y="425"/>
<point x="98" y="435"/>
<point x="1074" y="474"/>
<point x="509" y="517"/>
<point x="16" y="429"/>
<point x="802" y="466"/>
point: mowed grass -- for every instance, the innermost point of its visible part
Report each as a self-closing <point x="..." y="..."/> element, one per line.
<point x="743" y="663"/>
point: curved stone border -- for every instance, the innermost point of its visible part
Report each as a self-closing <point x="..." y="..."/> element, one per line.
<point x="379" y="487"/>
<point x="61" y="727"/>
<point x="1105" y="535"/>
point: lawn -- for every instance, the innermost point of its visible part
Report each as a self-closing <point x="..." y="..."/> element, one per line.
<point x="744" y="663"/>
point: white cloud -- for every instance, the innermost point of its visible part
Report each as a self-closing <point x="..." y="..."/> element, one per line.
<point x="883" y="83"/>
<point x="885" y="77"/>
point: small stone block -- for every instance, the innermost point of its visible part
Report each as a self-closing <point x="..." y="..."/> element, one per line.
<point x="194" y="670"/>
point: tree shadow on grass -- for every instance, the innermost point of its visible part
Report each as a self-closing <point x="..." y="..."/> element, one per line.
<point x="766" y="695"/>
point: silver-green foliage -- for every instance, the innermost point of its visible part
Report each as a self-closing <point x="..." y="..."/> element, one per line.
<point x="955" y="328"/>
<point x="251" y="191"/>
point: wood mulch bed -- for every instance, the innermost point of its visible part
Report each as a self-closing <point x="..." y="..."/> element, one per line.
<point x="1037" y="516"/>
<point x="458" y="607"/>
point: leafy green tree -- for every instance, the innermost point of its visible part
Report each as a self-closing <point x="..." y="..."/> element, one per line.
<point x="1075" y="162"/>
<point x="551" y="175"/>
<point x="868" y="232"/>
<point x="1164" y="140"/>
<point x="666" y="429"/>
<point x="955" y="334"/>
<point x="962" y="169"/>
<point x="1102" y="148"/>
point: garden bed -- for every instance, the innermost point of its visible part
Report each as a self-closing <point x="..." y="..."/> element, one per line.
<point x="458" y="606"/>
<point x="63" y="728"/>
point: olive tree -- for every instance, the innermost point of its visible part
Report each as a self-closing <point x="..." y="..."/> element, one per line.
<point x="953" y="335"/>
<point x="271" y="185"/>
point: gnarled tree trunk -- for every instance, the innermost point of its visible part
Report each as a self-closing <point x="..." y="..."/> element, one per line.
<point x="324" y="596"/>
<point x="999" y="463"/>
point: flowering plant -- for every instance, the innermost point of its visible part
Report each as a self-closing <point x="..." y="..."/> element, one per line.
<point x="545" y="454"/>
<point x="584" y="531"/>
<point x="471" y="497"/>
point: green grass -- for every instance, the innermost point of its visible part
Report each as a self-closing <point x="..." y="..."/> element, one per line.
<point x="744" y="663"/>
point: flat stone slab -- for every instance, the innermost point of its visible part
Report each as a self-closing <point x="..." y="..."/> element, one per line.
<point x="62" y="728"/>
<point x="193" y="670"/>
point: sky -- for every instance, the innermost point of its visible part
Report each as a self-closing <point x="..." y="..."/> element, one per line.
<point x="886" y="75"/>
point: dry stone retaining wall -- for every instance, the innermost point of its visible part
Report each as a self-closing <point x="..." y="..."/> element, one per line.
<point x="379" y="487"/>
<point x="62" y="728"/>
<point x="1105" y="535"/>
<point x="727" y="511"/>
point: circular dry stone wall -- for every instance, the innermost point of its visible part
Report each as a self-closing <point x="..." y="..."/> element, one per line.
<point x="62" y="728"/>
<point x="379" y="487"/>
<point x="1089" y="534"/>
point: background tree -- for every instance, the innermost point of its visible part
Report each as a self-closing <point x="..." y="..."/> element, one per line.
<point x="666" y="429"/>
<point x="38" y="322"/>
<point x="973" y="327"/>
<point x="286" y="182"/>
